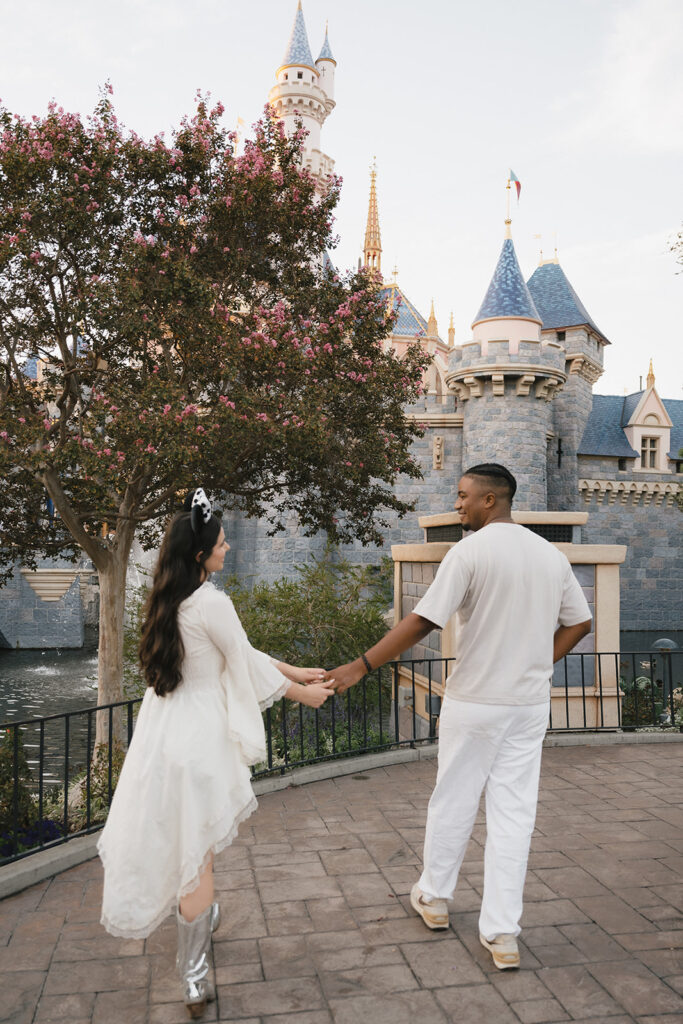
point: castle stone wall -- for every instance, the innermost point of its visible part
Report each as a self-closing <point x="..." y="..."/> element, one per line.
<point x="512" y="430"/>
<point x="27" y="621"/>
<point x="652" y="575"/>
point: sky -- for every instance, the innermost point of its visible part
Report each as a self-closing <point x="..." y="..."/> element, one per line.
<point x="581" y="98"/>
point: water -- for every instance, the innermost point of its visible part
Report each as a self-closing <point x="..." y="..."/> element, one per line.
<point x="37" y="683"/>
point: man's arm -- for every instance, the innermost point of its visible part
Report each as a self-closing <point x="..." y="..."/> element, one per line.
<point x="409" y="631"/>
<point x="568" y="637"/>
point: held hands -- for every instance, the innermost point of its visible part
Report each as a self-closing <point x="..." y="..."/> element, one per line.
<point x="346" y="676"/>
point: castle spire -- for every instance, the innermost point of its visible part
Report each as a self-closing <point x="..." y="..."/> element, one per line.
<point x="508" y="295"/>
<point x="451" y="332"/>
<point x="650" y="376"/>
<point x="432" y="329"/>
<point x="326" y="52"/>
<point x="372" y="250"/>
<point x="298" y="49"/>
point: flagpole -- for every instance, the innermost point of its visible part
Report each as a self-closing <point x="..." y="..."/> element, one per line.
<point x="508" y="233"/>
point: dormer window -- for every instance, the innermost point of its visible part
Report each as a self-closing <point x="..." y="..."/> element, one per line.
<point x="649" y="447"/>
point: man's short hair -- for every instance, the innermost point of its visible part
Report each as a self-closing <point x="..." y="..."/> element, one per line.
<point x="497" y="477"/>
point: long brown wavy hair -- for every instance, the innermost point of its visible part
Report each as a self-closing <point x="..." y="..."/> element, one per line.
<point x="177" y="575"/>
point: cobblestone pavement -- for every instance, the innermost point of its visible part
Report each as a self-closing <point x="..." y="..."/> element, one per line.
<point x="317" y="926"/>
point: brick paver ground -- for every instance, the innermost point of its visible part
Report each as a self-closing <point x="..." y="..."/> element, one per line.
<point x="317" y="926"/>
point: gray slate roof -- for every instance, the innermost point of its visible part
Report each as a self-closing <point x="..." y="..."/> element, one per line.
<point x="556" y="300"/>
<point x="298" y="49"/>
<point x="604" y="433"/>
<point x="507" y="293"/>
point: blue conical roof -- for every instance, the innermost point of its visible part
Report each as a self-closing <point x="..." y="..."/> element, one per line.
<point x="298" y="49"/>
<point x="507" y="294"/>
<point x="556" y="300"/>
<point x="326" y="52"/>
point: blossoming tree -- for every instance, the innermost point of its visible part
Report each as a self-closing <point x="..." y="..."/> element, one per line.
<point x="188" y="334"/>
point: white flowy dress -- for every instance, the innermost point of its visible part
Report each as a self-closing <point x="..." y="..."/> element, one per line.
<point x="185" y="785"/>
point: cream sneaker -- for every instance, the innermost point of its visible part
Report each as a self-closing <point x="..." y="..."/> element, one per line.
<point x="433" y="912"/>
<point x="504" y="951"/>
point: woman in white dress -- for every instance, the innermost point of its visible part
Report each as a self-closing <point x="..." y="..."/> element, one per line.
<point x="185" y="785"/>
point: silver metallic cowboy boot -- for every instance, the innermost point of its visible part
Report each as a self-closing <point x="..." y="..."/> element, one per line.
<point x="194" y="942"/>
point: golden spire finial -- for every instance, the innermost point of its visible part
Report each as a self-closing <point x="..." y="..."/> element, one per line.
<point x="650" y="376"/>
<point x="372" y="249"/>
<point x="432" y="328"/>
<point x="451" y="332"/>
<point x="395" y="274"/>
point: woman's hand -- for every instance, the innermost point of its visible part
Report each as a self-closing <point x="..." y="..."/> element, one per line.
<point x="313" y="694"/>
<point x="308" y="675"/>
<point x="297" y="674"/>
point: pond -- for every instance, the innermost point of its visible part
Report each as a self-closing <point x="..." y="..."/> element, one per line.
<point x="37" y="683"/>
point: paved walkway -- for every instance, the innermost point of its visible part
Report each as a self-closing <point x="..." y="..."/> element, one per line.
<point x="317" y="927"/>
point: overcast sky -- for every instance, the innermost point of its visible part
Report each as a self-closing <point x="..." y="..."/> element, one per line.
<point x="582" y="98"/>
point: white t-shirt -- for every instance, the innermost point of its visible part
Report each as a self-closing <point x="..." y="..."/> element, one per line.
<point x="510" y="589"/>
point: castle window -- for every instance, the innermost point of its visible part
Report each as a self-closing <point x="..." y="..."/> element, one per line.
<point x="561" y="335"/>
<point x="648" y="452"/>
<point x="299" y="74"/>
<point x="622" y="465"/>
<point x="679" y="467"/>
<point x="286" y="77"/>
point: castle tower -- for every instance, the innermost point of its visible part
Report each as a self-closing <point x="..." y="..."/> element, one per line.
<point x="565" y="320"/>
<point x="304" y="94"/>
<point x="372" y="248"/>
<point x="505" y="379"/>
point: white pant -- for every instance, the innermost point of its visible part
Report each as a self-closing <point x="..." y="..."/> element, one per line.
<point x="498" y="747"/>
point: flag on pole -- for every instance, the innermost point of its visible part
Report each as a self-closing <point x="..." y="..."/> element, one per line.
<point x="517" y="182"/>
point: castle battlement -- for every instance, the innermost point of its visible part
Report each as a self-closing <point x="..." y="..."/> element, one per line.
<point x="506" y="367"/>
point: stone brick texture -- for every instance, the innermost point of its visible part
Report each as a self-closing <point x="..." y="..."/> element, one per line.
<point x="26" y="621"/>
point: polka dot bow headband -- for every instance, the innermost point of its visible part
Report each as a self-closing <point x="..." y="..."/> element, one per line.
<point x="200" y="510"/>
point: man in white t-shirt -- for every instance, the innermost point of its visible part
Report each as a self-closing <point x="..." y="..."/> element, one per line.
<point x="519" y="608"/>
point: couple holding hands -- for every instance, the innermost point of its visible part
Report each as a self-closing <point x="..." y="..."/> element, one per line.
<point x="185" y="785"/>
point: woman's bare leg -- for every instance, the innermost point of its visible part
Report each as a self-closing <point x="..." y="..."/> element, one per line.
<point x="196" y="902"/>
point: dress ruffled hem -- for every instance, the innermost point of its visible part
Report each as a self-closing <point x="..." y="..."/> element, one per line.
<point x="195" y="871"/>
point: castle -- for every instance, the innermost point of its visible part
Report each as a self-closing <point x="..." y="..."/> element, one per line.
<point x="520" y="393"/>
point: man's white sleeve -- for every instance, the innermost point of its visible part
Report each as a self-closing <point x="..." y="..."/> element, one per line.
<point x="448" y="590"/>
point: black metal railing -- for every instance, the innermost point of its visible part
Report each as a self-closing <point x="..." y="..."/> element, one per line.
<point x="58" y="774"/>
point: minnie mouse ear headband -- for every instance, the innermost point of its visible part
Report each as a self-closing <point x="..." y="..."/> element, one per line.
<point x="199" y="507"/>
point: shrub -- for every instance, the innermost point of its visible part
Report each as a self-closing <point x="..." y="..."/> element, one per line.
<point x="332" y="612"/>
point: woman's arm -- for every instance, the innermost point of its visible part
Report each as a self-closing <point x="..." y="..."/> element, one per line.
<point x="297" y="674"/>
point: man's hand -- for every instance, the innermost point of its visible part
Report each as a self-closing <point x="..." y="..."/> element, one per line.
<point x="346" y="676"/>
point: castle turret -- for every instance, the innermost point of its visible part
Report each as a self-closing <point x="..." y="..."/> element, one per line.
<point x="299" y="95"/>
<point x="505" y="379"/>
<point x="566" y="321"/>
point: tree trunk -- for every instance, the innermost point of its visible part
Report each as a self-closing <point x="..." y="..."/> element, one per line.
<point x="112" y="579"/>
